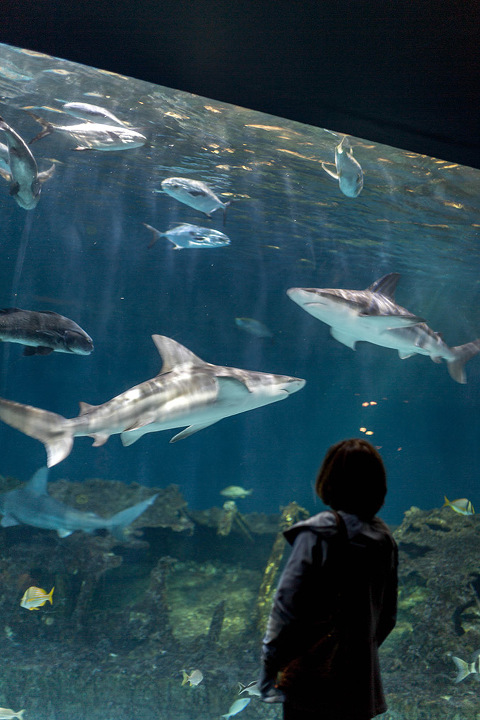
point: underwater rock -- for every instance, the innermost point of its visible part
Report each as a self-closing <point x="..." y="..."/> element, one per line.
<point x="439" y="615"/>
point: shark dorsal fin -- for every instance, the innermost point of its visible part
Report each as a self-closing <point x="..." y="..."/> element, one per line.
<point x="37" y="484"/>
<point x="386" y="286"/>
<point x="173" y="354"/>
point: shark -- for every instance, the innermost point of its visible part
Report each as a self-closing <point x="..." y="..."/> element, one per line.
<point x="188" y="392"/>
<point x="32" y="505"/>
<point x="372" y="315"/>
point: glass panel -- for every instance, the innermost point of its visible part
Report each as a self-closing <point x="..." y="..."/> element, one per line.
<point x="97" y="236"/>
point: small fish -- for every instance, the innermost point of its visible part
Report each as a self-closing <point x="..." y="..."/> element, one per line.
<point x="462" y="506"/>
<point x="6" y="714"/>
<point x="465" y="668"/>
<point x="43" y="332"/>
<point x="194" y="193"/>
<point x="236" y="707"/>
<point x="235" y="492"/>
<point x="254" y="327"/>
<point x="93" y="136"/>
<point x="195" y="678"/>
<point x="26" y="181"/>
<point x="250" y="689"/>
<point x="348" y="171"/>
<point x="190" y="236"/>
<point x="92" y="113"/>
<point x="35" y="597"/>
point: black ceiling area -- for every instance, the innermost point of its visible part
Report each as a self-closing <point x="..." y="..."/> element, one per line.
<point x="405" y="73"/>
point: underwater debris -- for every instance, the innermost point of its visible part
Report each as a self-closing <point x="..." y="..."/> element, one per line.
<point x="291" y="514"/>
<point x="216" y="625"/>
<point x="231" y="514"/>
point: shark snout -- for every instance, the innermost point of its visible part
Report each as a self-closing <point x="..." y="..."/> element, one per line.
<point x="293" y="385"/>
<point x="302" y="295"/>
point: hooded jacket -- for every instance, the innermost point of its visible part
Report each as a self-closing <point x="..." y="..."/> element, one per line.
<point x="355" y="580"/>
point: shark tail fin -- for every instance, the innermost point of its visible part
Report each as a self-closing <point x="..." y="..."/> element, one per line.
<point x="117" y="523"/>
<point x="42" y="425"/>
<point x="462" y="667"/>
<point x="463" y="353"/>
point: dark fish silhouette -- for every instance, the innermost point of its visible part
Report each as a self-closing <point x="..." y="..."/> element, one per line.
<point x="43" y="332"/>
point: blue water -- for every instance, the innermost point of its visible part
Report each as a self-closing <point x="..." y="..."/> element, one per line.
<point x="83" y="252"/>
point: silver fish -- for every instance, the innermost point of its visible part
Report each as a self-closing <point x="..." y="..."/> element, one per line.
<point x="251" y="689"/>
<point x="26" y="181"/>
<point x="93" y="136"/>
<point x="32" y="505"/>
<point x="348" y="170"/>
<point x="43" y="332"/>
<point x="190" y="236"/>
<point x="92" y="113"/>
<point x="467" y="668"/>
<point x="187" y="392"/>
<point x="236" y="707"/>
<point x="373" y="316"/>
<point x="194" y="193"/>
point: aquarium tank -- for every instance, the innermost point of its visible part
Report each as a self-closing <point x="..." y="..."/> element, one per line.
<point x="178" y="266"/>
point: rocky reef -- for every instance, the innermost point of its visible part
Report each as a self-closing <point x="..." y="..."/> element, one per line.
<point x="182" y="594"/>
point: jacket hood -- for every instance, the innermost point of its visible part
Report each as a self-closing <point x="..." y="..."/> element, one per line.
<point x="325" y="524"/>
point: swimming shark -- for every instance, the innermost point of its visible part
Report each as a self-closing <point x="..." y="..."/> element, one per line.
<point x="187" y="392"/>
<point x="32" y="505"/>
<point x="373" y="316"/>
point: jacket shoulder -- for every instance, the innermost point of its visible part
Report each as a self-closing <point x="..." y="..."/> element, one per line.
<point x="323" y="523"/>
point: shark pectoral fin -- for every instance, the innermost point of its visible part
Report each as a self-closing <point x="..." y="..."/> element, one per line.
<point x="46" y="174"/>
<point x="190" y="431"/>
<point x="345" y="339"/>
<point x="99" y="439"/>
<point x="9" y="521"/>
<point x="332" y="173"/>
<point x="61" y="532"/>
<point x="404" y="355"/>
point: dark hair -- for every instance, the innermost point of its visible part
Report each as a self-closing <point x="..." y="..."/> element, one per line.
<point x="352" y="478"/>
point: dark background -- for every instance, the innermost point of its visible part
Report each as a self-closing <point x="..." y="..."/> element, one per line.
<point x="402" y="73"/>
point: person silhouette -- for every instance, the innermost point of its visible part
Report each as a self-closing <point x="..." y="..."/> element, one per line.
<point x="336" y="600"/>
